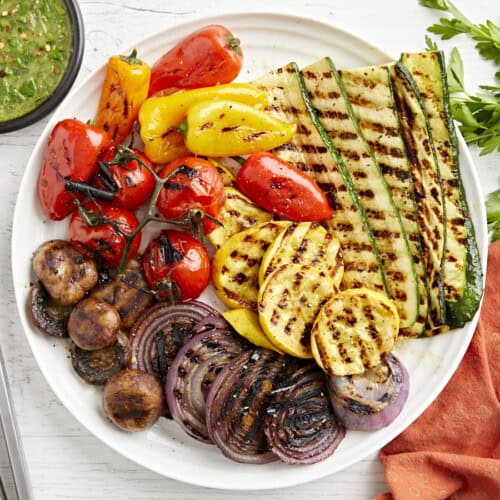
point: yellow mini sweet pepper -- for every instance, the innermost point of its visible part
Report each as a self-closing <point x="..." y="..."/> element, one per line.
<point x="159" y="116"/>
<point x="124" y="90"/>
<point x="230" y="128"/>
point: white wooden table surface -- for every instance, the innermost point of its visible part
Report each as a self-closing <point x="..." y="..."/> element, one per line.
<point x="64" y="460"/>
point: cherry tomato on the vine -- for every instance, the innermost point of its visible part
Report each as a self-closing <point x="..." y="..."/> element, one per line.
<point x="198" y="185"/>
<point x="131" y="181"/>
<point x="71" y="154"/>
<point x="105" y="240"/>
<point x="176" y="265"/>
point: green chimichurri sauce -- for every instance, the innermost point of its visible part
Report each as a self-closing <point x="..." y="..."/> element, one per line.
<point x="35" y="48"/>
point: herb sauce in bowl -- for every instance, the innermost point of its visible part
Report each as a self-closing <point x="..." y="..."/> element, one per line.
<point x="36" y="48"/>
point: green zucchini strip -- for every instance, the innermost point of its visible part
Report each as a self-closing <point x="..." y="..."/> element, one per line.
<point x="311" y="151"/>
<point x="428" y="190"/>
<point x="337" y="117"/>
<point x="372" y="99"/>
<point x="428" y="72"/>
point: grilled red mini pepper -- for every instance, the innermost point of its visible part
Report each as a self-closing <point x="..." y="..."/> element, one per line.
<point x="282" y="188"/>
<point x="210" y="56"/>
<point x="72" y="152"/>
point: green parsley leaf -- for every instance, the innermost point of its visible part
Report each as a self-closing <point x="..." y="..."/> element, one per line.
<point x="493" y="214"/>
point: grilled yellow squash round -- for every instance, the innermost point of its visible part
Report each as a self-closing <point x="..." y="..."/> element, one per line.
<point x="353" y="331"/>
<point x="246" y="323"/>
<point x="306" y="243"/>
<point x="237" y="214"/>
<point x="235" y="266"/>
<point x="289" y="300"/>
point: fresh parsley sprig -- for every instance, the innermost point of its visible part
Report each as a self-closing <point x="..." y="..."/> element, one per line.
<point x="478" y="114"/>
<point x="486" y="35"/>
<point x="493" y="214"/>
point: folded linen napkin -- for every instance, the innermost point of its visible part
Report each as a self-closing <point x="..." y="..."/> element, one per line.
<point x="453" y="449"/>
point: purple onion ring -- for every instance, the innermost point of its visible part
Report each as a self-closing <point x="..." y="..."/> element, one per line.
<point x="193" y="371"/>
<point x="301" y="427"/>
<point x="372" y="400"/>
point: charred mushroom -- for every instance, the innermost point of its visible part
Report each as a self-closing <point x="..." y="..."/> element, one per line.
<point x="95" y="367"/>
<point x="48" y="315"/>
<point x="127" y="292"/>
<point x="133" y="400"/>
<point x="93" y="324"/>
<point x="65" y="272"/>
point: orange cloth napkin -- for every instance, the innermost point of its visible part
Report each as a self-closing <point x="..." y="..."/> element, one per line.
<point x="453" y="449"/>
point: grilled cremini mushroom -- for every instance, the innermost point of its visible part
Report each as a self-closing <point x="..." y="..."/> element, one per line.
<point x="133" y="400"/>
<point x="127" y="293"/>
<point x="65" y="272"/>
<point x="93" y="324"/>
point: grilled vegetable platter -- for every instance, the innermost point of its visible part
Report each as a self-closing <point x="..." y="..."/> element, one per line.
<point x="246" y="259"/>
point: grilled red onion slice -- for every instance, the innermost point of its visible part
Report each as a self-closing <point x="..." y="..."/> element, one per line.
<point x="161" y="331"/>
<point x="301" y="427"/>
<point x="372" y="400"/>
<point x="193" y="371"/>
<point x="237" y="405"/>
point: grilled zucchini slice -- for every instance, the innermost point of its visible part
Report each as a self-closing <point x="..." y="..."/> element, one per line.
<point x="334" y="110"/>
<point x="289" y="301"/>
<point x="246" y="323"/>
<point x="378" y="120"/>
<point x="311" y="151"/>
<point x="235" y="266"/>
<point x="306" y="243"/>
<point x="237" y="214"/>
<point x="428" y="190"/>
<point x="354" y="331"/>
<point x="463" y="280"/>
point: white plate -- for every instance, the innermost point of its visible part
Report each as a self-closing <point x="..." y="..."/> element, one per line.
<point x="268" y="41"/>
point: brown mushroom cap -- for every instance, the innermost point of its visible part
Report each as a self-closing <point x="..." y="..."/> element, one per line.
<point x="133" y="400"/>
<point x="93" y="324"/>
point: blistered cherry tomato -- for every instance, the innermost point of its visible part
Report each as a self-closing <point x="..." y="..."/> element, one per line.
<point x="105" y="240"/>
<point x="176" y="261"/>
<point x="131" y="182"/>
<point x="282" y="188"/>
<point x="197" y="186"/>
<point x="72" y="152"/>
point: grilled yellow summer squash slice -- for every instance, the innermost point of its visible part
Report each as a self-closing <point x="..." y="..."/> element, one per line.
<point x="235" y="266"/>
<point x="306" y="243"/>
<point x="237" y="214"/>
<point x="246" y="323"/>
<point x="353" y="331"/>
<point x="289" y="301"/>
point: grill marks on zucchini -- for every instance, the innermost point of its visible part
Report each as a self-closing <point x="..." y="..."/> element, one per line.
<point x="379" y="123"/>
<point x="428" y="191"/>
<point x="310" y="151"/>
<point x="338" y="120"/>
<point x="428" y="72"/>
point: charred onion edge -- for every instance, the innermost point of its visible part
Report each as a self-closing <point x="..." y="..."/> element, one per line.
<point x="301" y="427"/>
<point x="247" y="373"/>
<point x="362" y="412"/>
<point x="186" y="387"/>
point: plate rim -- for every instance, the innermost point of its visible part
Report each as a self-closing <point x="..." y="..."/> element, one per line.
<point x="396" y="429"/>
